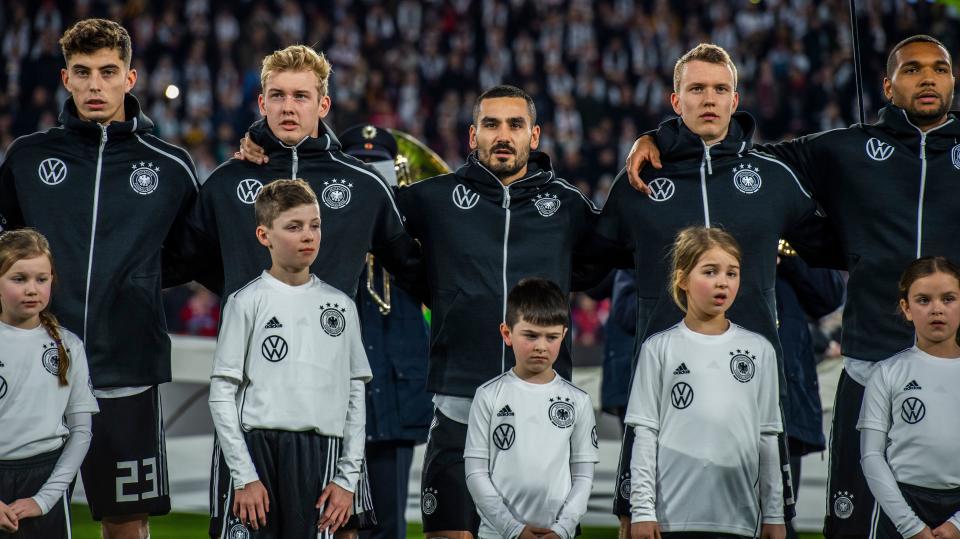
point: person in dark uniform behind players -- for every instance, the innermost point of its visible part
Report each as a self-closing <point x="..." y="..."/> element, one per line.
<point x="397" y="344"/>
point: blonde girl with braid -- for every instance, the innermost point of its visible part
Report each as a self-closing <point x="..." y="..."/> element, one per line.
<point x="46" y="401"/>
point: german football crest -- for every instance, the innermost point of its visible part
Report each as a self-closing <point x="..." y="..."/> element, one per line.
<point x="52" y="171"/>
<point x="238" y="531"/>
<point x="624" y="487"/>
<point x="428" y="502"/>
<point x="742" y="365"/>
<point x="746" y="178"/>
<point x="336" y="193"/>
<point x="144" y="178"/>
<point x="332" y="320"/>
<point x="547" y="204"/>
<point x="561" y="412"/>
<point x="51" y="359"/>
<point x="843" y="504"/>
<point x="955" y="156"/>
<point x="248" y="189"/>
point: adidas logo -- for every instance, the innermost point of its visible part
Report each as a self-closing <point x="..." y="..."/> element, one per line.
<point x="682" y="369"/>
<point x="273" y="324"/>
<point x="912" y="385"/>
<point x="505" y="411"/>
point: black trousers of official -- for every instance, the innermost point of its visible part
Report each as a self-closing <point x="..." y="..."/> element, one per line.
<point x="389" y="464"/>
<point x="932" y="506"/>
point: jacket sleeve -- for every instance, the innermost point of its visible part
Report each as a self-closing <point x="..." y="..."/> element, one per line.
<point x="11" y="216"/>
<point x="408" y="253"/>
<point x="623" y="304"/>
<point x="803" y="155"/>
<point x="178" y="262"/>
<point x="820" y="291"/>
<point x="197" y="240"/>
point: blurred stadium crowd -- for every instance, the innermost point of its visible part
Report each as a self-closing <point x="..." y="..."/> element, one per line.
<point x="600" y="71"/>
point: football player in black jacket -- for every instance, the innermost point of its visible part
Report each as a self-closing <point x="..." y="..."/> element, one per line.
<point x="107" y="193"/>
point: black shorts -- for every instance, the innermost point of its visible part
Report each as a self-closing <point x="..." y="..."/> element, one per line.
<point x="445" y="502"/>
<point x="932" y="506"/>
<point x="125" y="471"/>
<point x="849" y="501"/>
<point x="22" y="479"/>
<point x="294" y="468"/>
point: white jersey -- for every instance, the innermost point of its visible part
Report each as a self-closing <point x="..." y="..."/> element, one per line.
<point x="709" y="398"/>
<point x="531" y="433"/>
<point x="913" y="398"/>
<point x="32" y="401"/>
<point x="294" y="351"/>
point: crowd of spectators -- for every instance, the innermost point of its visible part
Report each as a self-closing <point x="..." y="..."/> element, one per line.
<point x="600" y="70"/>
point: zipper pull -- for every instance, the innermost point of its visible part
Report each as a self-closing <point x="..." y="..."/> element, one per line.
<point x="103" y="133"/>
<point x="506" y="198"/>
<point x="709" y="164"/>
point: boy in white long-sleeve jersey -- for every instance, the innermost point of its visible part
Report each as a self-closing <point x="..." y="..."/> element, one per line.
<point x="287" y="394"/>
<point x="532" y="438"/>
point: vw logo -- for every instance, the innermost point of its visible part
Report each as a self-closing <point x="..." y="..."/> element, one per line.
<point x="681" y="395"/>
<point x="248" y="189"/>
<point x="912" y="410"/>
<point x="879" y="150"/>
<point x="464" y="198"/>
<point x="661" y="189"/>
<point x="52" y="171"/>
<point x="274" y="348"/>
<point x="504" y="436"/>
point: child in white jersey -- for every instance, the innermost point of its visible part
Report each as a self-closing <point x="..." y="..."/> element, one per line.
<point x="704" y="407"/>
<point x="532" y="438"/>
<point x="287" y="389"/>
<point x="45" y="397"/>
<point x="910" y="418"/>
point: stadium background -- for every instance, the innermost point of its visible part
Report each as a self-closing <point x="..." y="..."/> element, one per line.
<point x="600" y="72"/>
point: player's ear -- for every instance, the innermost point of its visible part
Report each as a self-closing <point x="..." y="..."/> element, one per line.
<point x="505" y="333"/>
<point x="905" y="309"/>
<point x="473" y="138"/>
<point x="263" y="236"/>
<point x="564" y="335"/>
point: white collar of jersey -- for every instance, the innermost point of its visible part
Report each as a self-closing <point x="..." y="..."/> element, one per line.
<point x="4" y="325"/>
<point x="556" y="380"/>
<point x="925" y="356"/>
<point x="277" y="283"/>
<point x="712" y="339"/>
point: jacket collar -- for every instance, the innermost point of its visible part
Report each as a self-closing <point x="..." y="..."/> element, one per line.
<point x="488" y="185"/>
<point x="678" y="143"/>
<point x="263" y="136"/>
<point x="895" y="121"/>
<point x="136" y="121"/>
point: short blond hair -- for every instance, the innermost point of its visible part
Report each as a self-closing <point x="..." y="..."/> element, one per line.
<point x="704" y="52"/>
<point x="691" y="243"/>
<point x="297" y="58"/>
<point x="279" y="196"/>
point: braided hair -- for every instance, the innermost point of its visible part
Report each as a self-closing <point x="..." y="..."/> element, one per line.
<point x="28" y="243"/>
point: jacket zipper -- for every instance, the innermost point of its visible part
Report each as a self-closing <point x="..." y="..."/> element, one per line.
<point x="93" y="228"/>
<point x="923" y="176"/>
<point x="295" y="165"/>
<point x="506" y="239"/>
<point x="705" y="168"/>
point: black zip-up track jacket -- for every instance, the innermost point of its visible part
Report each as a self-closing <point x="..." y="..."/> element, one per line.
<point x="479" y="239"/>
<point x="358" y="214"/>
<point x="754" y="197"/>
<point x="107" y="198"/>
<point x="893" y="195"/>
